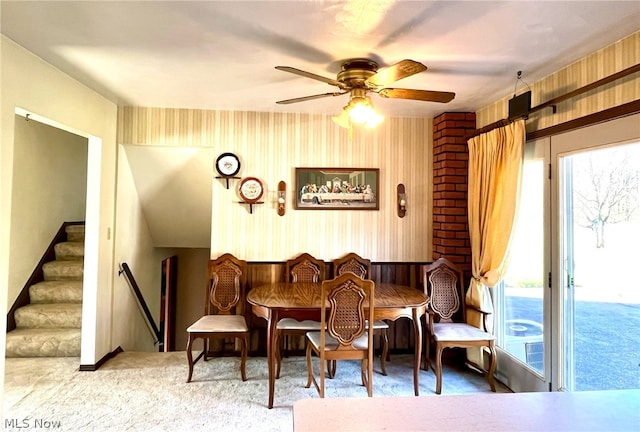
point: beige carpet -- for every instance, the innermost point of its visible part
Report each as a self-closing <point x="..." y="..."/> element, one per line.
<point x="147" y="392"/>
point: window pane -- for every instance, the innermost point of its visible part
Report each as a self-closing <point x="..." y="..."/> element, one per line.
<point x="521" y="326"/>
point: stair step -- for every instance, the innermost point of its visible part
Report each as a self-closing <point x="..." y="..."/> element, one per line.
<point x="54" y="342"/>
<point x="64" y="291"/>
<point x="63" y="270"/>
<point x="42" y="316"/>
<point x="50" y="325"/>
<point x="69" y="251"/>
<point x="75" y="233"/>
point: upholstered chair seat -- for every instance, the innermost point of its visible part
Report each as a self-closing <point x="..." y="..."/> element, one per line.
<point x="222" y="323"/>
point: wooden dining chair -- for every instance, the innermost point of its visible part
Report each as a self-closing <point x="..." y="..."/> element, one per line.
<point x="303" y="268"/>
<point x="343" y="334"/>
<point x="446" y="327"/>
<point x="353" y="263"/>
<point x="361" y="267"/>
<point x="224" y="310"/>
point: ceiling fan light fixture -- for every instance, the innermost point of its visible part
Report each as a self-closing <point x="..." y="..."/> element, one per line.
<point x="342" y="119"/>
<point x="374" y="120"/>
<point x="359" y="76"/>
<point x="361" y="111"/>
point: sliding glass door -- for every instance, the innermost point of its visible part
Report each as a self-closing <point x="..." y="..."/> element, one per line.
<point x="597" y="209"/>
<point x="568" y="310"/>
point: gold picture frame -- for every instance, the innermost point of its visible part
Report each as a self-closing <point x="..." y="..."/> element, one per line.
<point x="337" y="188"/>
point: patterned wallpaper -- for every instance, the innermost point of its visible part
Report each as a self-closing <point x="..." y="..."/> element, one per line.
<point x="270" y="146"/>
<point x="607" y="61"/>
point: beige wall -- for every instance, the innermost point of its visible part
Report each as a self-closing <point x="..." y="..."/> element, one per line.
<point x="270" y="146"/>
<point x="190" y="298"/>
<point x="134" y="246"/>
<point x="49" y="188"/>
<point x="28" y="83"/>
<point x="614" y="58"/>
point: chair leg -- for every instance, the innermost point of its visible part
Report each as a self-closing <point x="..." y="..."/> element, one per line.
<point x="426" y="360"/>
<point x="386" y="341"/>
<point x="277" y="347"/>
<point x="492" y="366"/>
<point x="438" y="370"/>
<point x="243" y="361"/>
<point x="190" y="357"/>
<point x="322" y="366"/>
<point x="370" y="377"/>
<point x="309" y="367"/>
<point x="385" y="351"/>
<point x="311" y="376"/>
<point x="366" y="371"/>
<point x="331" y="368"/>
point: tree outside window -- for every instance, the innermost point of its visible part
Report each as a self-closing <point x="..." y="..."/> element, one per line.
<point x="606" y="188"/>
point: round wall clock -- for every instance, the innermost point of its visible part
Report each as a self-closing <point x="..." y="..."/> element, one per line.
<point x="227" y="164"/>
<point x="251" y="189"/>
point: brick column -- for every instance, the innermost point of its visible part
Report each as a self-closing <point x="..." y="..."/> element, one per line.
<point x="450" y="170"/>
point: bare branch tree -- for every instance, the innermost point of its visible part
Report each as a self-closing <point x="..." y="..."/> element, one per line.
<point x="606" y="188"/>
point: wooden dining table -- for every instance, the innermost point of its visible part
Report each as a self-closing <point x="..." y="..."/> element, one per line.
<point x="278" y="300"/>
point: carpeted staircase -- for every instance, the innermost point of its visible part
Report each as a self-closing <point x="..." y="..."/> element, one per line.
<point x="50" y="325"/>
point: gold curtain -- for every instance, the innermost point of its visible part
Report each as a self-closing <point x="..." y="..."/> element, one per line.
<point x="495" y="167"/>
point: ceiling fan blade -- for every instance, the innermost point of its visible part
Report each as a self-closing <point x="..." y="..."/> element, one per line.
<point x="306" y="98"/>
<point x="421" y="95"/>
<point x="310" y="75"/>
<point x="393" y="73"/>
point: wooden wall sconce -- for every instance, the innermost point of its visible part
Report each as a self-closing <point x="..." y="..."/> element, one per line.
<point x="402" y="201"/>
<point x="282" y="194"/>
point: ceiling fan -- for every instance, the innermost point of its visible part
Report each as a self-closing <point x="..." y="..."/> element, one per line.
<point x="360" y="76"/>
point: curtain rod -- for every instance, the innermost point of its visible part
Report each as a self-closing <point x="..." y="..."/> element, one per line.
<point x="494" y="125"/>
<point x="613" y="113"/>
<point x="552" y="102"/>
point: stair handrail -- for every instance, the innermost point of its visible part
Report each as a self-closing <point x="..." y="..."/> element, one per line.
<point x="124" y="268"/>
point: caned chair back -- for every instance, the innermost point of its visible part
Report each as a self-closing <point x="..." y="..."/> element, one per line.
<point x="443" y="282"/>
<point x="305" y="268"/>
<point x="346" y="298"/>
<point x="347" y="306"/>
<point x="353" y="263"/>
<point x="225" y="285"/>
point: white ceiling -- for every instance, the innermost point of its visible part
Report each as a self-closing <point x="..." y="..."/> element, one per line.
<point x="220" y="55"/>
